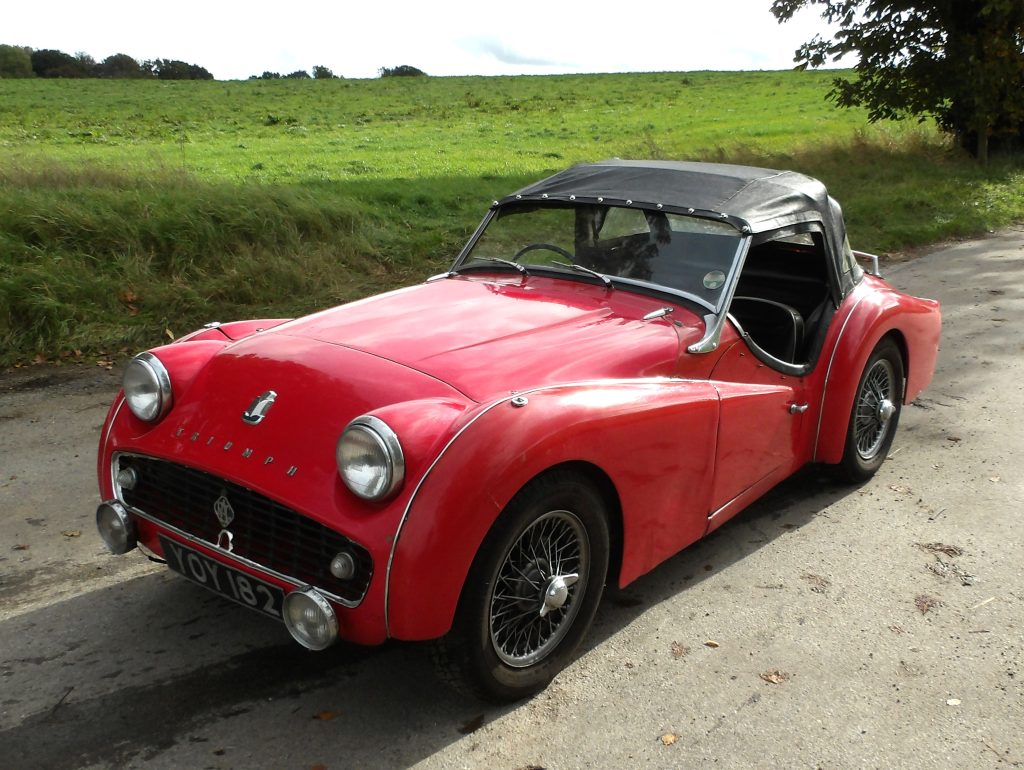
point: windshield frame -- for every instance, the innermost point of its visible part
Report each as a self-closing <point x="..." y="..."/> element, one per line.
<point x="713" y="310"/>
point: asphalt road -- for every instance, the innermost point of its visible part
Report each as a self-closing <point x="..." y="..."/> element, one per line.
<point x="828" y="626"/>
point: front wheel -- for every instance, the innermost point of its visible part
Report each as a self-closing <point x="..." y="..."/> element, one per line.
<point x="531" y="593"/>
<point x="875" y="413"/>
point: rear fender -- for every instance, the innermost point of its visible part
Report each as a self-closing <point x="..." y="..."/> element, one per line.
<point x="654" y="439"/>
<point x="914" y="323"/>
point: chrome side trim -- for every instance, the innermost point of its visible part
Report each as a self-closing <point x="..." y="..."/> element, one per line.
<point x="113" y="419"/>
<point x="828" y="374"/>
<point x="408" y="507"/>
<point x="463" y="429"/>
<point x="294" y="582"/>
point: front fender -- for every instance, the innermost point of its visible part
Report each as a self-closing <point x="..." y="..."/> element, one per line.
<point x="654" y="439"/>
<point x="879" y="311"/>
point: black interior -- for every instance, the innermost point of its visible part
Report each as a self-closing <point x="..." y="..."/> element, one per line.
<point x="782" y="300"/>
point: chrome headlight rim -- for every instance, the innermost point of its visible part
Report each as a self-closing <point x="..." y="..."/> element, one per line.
<point x="386" y="440"/>
<point x="161" y="379"/>
<point x="327" y="616"/>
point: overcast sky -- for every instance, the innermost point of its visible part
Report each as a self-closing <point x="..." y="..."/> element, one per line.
<point x="445" y="37"/>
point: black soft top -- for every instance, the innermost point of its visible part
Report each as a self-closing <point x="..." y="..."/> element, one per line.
<point x="754" y="200"/>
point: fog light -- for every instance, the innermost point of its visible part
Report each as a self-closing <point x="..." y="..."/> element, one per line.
<point x="116" y="529"/>
<point x="127" y="478"/>
<point x="343" y="566"/>
<point x="310" y="619"/>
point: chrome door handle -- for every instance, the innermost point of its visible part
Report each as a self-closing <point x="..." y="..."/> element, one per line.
<point x="797" y="408"/>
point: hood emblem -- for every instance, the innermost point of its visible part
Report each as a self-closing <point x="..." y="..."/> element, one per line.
<point x="259" y="407"/>
<point x="223" y="510"/>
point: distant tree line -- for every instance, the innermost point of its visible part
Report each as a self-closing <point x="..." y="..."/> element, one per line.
<point x="22" y="62"/>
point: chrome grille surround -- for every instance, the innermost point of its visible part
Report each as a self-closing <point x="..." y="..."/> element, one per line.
<point x="267" y="536"/>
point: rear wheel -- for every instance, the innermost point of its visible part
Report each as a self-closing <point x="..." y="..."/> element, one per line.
<point x="531" y="593"/>
<point x="875" y="413"/>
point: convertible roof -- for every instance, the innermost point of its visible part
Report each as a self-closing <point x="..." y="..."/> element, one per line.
<point x="756" y="198"/>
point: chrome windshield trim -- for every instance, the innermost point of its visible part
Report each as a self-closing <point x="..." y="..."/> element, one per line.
<point x="714" y="321"/>
<point x="295" y="582"/>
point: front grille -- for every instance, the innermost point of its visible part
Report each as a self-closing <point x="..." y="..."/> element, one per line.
<point x="264" y="532"/>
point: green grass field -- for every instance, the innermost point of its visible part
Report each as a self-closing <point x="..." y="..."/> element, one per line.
<point x="133" y="208"/>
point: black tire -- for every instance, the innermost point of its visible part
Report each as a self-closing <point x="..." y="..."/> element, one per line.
<point x="875" y="413"/>
<point x="520" y="619"/>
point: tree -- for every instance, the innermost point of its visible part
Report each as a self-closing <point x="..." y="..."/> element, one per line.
<point x="321" y="72"/>
<point x="48" y="63"/>
<point x="121" y="65"/>
<point x="172" y="69"/>
<point x="15" y="62"/>
<point x="298" y="75"/>
<point x="402" y="70"/>
<point x="959" y="61"/>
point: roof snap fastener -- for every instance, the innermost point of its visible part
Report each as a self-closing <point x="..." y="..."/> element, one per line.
<point x="519" y="401"/>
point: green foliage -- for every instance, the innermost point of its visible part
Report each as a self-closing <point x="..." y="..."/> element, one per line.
<point x="320" y="72"/>
<point x="961" y="62"/>
<point x="173" y="69"/>
<point x="401" y="71"/>
<point x="121" y="65"/>
<point x="48" y="63"/>
<point x="298" y="75"/>
<point x="15" y="62"/>
<point x="131" y="206"/>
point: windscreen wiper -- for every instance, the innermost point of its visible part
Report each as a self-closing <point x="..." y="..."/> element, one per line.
<point x="580" y="269"/>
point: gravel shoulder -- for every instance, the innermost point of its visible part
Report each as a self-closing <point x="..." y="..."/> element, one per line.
<point x="827" y="626"/>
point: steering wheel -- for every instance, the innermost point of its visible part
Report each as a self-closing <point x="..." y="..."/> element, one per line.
<point x="545" y="247"/>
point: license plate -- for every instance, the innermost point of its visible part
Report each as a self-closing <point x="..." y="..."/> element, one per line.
<point x="235" y="585"/>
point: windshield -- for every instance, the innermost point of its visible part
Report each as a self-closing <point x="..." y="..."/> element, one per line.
<point x="681" y="253"/>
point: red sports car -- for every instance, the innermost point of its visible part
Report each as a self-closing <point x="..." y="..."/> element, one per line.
<point x="624" y="356"/>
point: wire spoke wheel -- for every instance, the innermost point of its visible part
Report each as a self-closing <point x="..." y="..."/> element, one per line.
<point x="874" y="409"/>
<point x="537" y="587"/>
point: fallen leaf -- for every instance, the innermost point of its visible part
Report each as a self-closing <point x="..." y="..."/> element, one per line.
<point x="818" y="582"/>
<point x="711" y="643"/>
<point x="318" y="767"/>
<point x="953" y="702"/>
<point x="668" y="739"/>
<point x="72" y="533"/>
<point x="954" y="439"/>
<point x="679" y="650"/>
<point x="472" y="725"/>
<point x="900" y="489"/>
<point x="949" y="550"/>
<point x="170" y="334"/>
<point x="924" y="603"/>
<point x="775" y="677"/>
<point x="993" y="479"/>
<point x="325" y="716"/>
<point x="39" y="359"/>
<point x="20" y="547"/>
<point x="532" y="767"/>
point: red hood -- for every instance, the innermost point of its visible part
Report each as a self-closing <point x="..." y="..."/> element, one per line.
<point x="487" y="336"/>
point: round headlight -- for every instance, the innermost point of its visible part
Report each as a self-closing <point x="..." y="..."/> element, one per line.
<point x="147" y="387"/>
<point x="370" y="458"/>
<point x="310" y="619"/>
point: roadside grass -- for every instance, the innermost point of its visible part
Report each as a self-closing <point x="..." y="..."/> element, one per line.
<point x="134" y="209"/>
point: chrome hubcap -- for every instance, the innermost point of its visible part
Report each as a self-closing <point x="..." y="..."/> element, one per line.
<point x="537" y="589"/>
<point x="875" y="409"/>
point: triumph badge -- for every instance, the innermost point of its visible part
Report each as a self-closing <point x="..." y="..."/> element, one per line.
<point x="258" y="408"/>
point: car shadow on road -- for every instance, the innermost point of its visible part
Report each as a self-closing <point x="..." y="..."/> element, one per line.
<point x="157" y="667"/>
